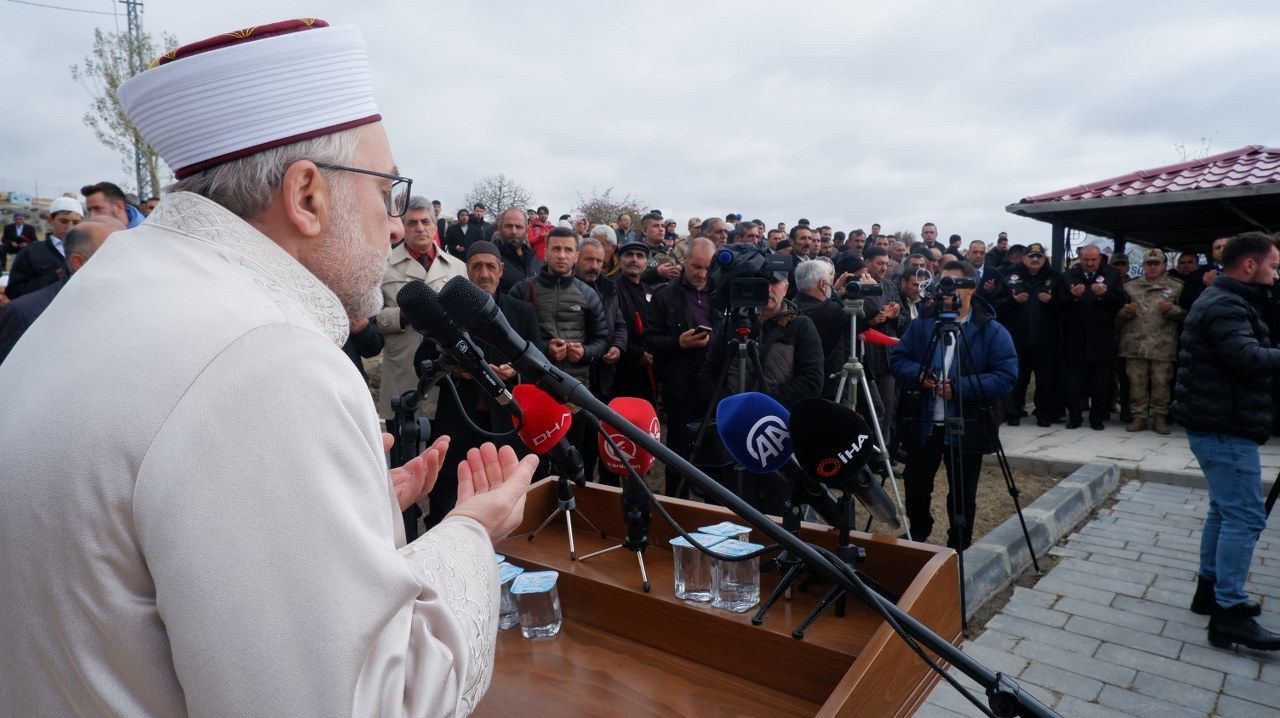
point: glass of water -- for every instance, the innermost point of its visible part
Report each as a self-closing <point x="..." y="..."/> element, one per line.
<point x="538" y="603"/>
<point x="693" y="567"/>
<point x="735" y="585"/>
<point x="508" y="615"/>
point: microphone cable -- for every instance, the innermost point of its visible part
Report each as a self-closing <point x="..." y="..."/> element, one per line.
<point x="425" y="384"/>
<point x="868" y="596"/>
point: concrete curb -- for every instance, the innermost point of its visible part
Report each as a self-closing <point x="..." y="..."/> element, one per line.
<point x="993" y="561"/>
<point x="1128" y="470"/>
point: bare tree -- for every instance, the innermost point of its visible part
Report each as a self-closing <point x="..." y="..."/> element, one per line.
<point x="113" y="60"/>
<point x="1199" y="153"/>
<point x="603" y="207"/>
<point x="498" y="192"/>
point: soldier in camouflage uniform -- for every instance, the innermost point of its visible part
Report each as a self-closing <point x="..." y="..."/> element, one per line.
<point x="1149" y="341"/>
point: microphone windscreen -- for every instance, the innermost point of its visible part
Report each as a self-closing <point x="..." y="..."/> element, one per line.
<point x="546" y="420"/>
<point x="832" y="443"/>
<point x="753" y="427"/>
<point x="642" y="414"/>
<point x="470" y="306"/>
<point x="421" y="306"/>
<point x="875" y="336"/>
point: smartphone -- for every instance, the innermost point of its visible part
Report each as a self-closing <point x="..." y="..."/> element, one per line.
<point x="702" y="329"/>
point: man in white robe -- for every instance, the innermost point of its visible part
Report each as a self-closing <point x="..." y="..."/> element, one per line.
<point x="195" y="510"/>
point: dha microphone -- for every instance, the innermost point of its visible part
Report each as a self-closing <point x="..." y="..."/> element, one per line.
<point x="421" y="306"/>
<point x="545" y="424"/>
<point x="834" y="445"/>
<point x="753" y="428"/>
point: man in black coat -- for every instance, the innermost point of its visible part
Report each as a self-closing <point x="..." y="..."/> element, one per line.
<point x="1029" y="301"/>
<point x="679" y="347"/>
<point x="1199" y="278"/>
<point x="1223" y="396"/>
<point x="518" y="258"/>
<point x="484" y="269"/>
<point x="459" y="235"/>
<point x="590" y="269"/>
<point x="42" y="263"/>
<point x="17" y="236"/>
<point x="364" y="341"/>
<point x="635" y="375"/>
<point x="1095" y="294"/>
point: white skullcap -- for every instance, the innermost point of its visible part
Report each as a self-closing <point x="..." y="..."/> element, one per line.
<point x="66" y="204"/>
<point x="236" y="94"/>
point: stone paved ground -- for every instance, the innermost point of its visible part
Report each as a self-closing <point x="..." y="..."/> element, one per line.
<point x="1107" y="632"/>
<point x="1144" y="455"/>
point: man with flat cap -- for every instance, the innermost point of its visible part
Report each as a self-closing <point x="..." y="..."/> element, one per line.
<point x="224" y="537"/>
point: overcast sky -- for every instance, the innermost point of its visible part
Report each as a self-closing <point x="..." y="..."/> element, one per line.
<point x="843" y="112"/>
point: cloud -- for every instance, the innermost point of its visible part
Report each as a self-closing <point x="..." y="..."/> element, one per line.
<point x="846" y="113"/>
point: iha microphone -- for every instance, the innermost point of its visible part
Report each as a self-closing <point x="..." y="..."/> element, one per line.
<point x="546" y="421"/>
<point x="833" y="444"/>
<point x="421" y="306"/>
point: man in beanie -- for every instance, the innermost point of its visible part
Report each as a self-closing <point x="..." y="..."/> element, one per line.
<point x="226" y="540"/>
<point x="484" y="269"/>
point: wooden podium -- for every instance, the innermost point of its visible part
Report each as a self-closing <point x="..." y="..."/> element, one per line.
<point x="623" y="652"/>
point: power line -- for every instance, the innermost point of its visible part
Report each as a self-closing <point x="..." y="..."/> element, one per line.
<point x="60" y="7"/>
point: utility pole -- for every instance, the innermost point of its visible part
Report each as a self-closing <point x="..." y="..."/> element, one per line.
<point x="133" y="14"/>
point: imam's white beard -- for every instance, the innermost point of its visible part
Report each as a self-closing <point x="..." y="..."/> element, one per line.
<point x="348" y="264"/>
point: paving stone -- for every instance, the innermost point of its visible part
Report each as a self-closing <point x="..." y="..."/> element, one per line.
<point x="1161" y="666"/>
<point x="1175" y="692"/>
<point x="1089" y="666"/>
<point x="1233" y="664"/>
<point x="1163" y="611"/>
<point x="1040" y="632"/>
<point x="1251" y="690"/>
<point x="1180" y="599"/>
<point x="1232" y="707"/>
<point x="1271" y="673"/>
<point x="1159" y="645"/>
<point x="930" y="710"/>
<point x="1091" y="547"/>
<point x="996" y="660"/>
<point x="1099" y="540"/>
<point x="1110" y="615"/>
<point x="1181" y="554"/>
<point x="1144" y="706"/>
<point x="1186" y="634"/>
<point x="1059" y="584"/>
<point x="1180" y="574"/>
<point x="1072" y="706"/>
<point x="1181" y="544"/>
<point x="1098" y="583"/>
<point x="1064" y="682"/>
<point x="1131" y="574"/>
<point x="998" y="640"/>
<point x="1048" y="617"/>
<point x="1067" y="552"/>
<point x="1153" y="559"/>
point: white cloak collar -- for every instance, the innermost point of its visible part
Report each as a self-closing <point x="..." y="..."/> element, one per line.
<point x="275" y="270"/>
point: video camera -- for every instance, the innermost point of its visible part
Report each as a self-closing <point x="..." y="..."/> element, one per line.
<point x="857" y="290"/>
<point x="740" y="276"/>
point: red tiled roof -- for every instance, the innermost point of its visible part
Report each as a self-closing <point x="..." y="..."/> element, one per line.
<point x="1250" y="165"/>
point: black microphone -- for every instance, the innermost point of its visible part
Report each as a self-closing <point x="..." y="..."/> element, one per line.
<point x="421" y="306"/>
<point x="833" y="444"/>
<point x="473" y="308"/>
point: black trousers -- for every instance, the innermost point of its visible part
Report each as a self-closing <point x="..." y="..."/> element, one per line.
<point x="1044" y="364"/>
<point x="1091" y="380"/>
<point x="922" y="466"/>
<point x="681" y="410"/>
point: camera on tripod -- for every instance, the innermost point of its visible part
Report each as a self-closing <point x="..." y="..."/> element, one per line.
<point x="740" y="277"/>
<point x="947" y="284"/>
<point x="857" y="290"/>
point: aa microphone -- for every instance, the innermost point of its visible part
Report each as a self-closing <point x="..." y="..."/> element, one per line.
<point x="833" y="444"/>
<point x="421" y="306"/>
<point x="753" y="428"/>
<point x="546" y="421"/>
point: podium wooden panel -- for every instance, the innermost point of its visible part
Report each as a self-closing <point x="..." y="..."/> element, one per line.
<point x="623" y="652"/>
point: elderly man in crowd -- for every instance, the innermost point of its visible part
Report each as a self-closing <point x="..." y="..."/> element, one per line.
<point x="1029" y="303"/>
<point x="518" y="258"/>
<point x="1095" y="294"/>
<point x="590" y="269"/>
<point x="1149" y="324"/>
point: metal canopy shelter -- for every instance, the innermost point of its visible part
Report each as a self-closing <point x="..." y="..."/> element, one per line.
<point x="1184" y="206"/>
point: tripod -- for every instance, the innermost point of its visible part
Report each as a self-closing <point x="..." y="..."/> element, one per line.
<point x="948" y="335"/>
<point x="746" y="326"/>
<point x="635" y="513"/>
<point x="564" y="495"/>
<point x="854" y="377"/>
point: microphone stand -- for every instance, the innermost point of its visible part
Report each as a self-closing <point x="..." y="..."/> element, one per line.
<point x="1004" y="695"/>
<point x="567" y="506"/>
<point x="636" y="514"/>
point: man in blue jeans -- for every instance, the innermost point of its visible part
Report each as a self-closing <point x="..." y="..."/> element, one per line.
<point x="1223" y="397"/>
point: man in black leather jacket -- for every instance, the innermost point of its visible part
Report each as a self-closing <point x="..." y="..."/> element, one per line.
<point x="1223" y="397"/>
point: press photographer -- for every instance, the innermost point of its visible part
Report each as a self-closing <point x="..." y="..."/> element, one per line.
<point x="944" y="381"/>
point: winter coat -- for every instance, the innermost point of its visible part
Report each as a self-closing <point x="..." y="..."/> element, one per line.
<point x="1089" y="321"/>
<point x="790" y="358"/>
<point x="602" y="374"/>
<point x="518" y="264"/>
<point x="568" y="309"/>
<point x="669" y="317"/>
<point x="983" y="381"/>
<point x="1226" y="363"/>
<point x="1033" y="324"/>
<point x="37" y="265"/>
<point x="1151" y="333"/>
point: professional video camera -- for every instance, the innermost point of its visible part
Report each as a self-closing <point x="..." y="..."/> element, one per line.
<point x="740" y="275"/>
<point x="857" y="290"/>
<point x="942" y="289"/>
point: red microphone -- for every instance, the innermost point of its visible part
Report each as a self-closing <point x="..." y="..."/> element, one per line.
<point x="546" y="421"/>
<point x="875" y="336"/>
<point x="642" y="414"/>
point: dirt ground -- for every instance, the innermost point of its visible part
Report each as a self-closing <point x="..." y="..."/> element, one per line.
<point x="994" y="503"/>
